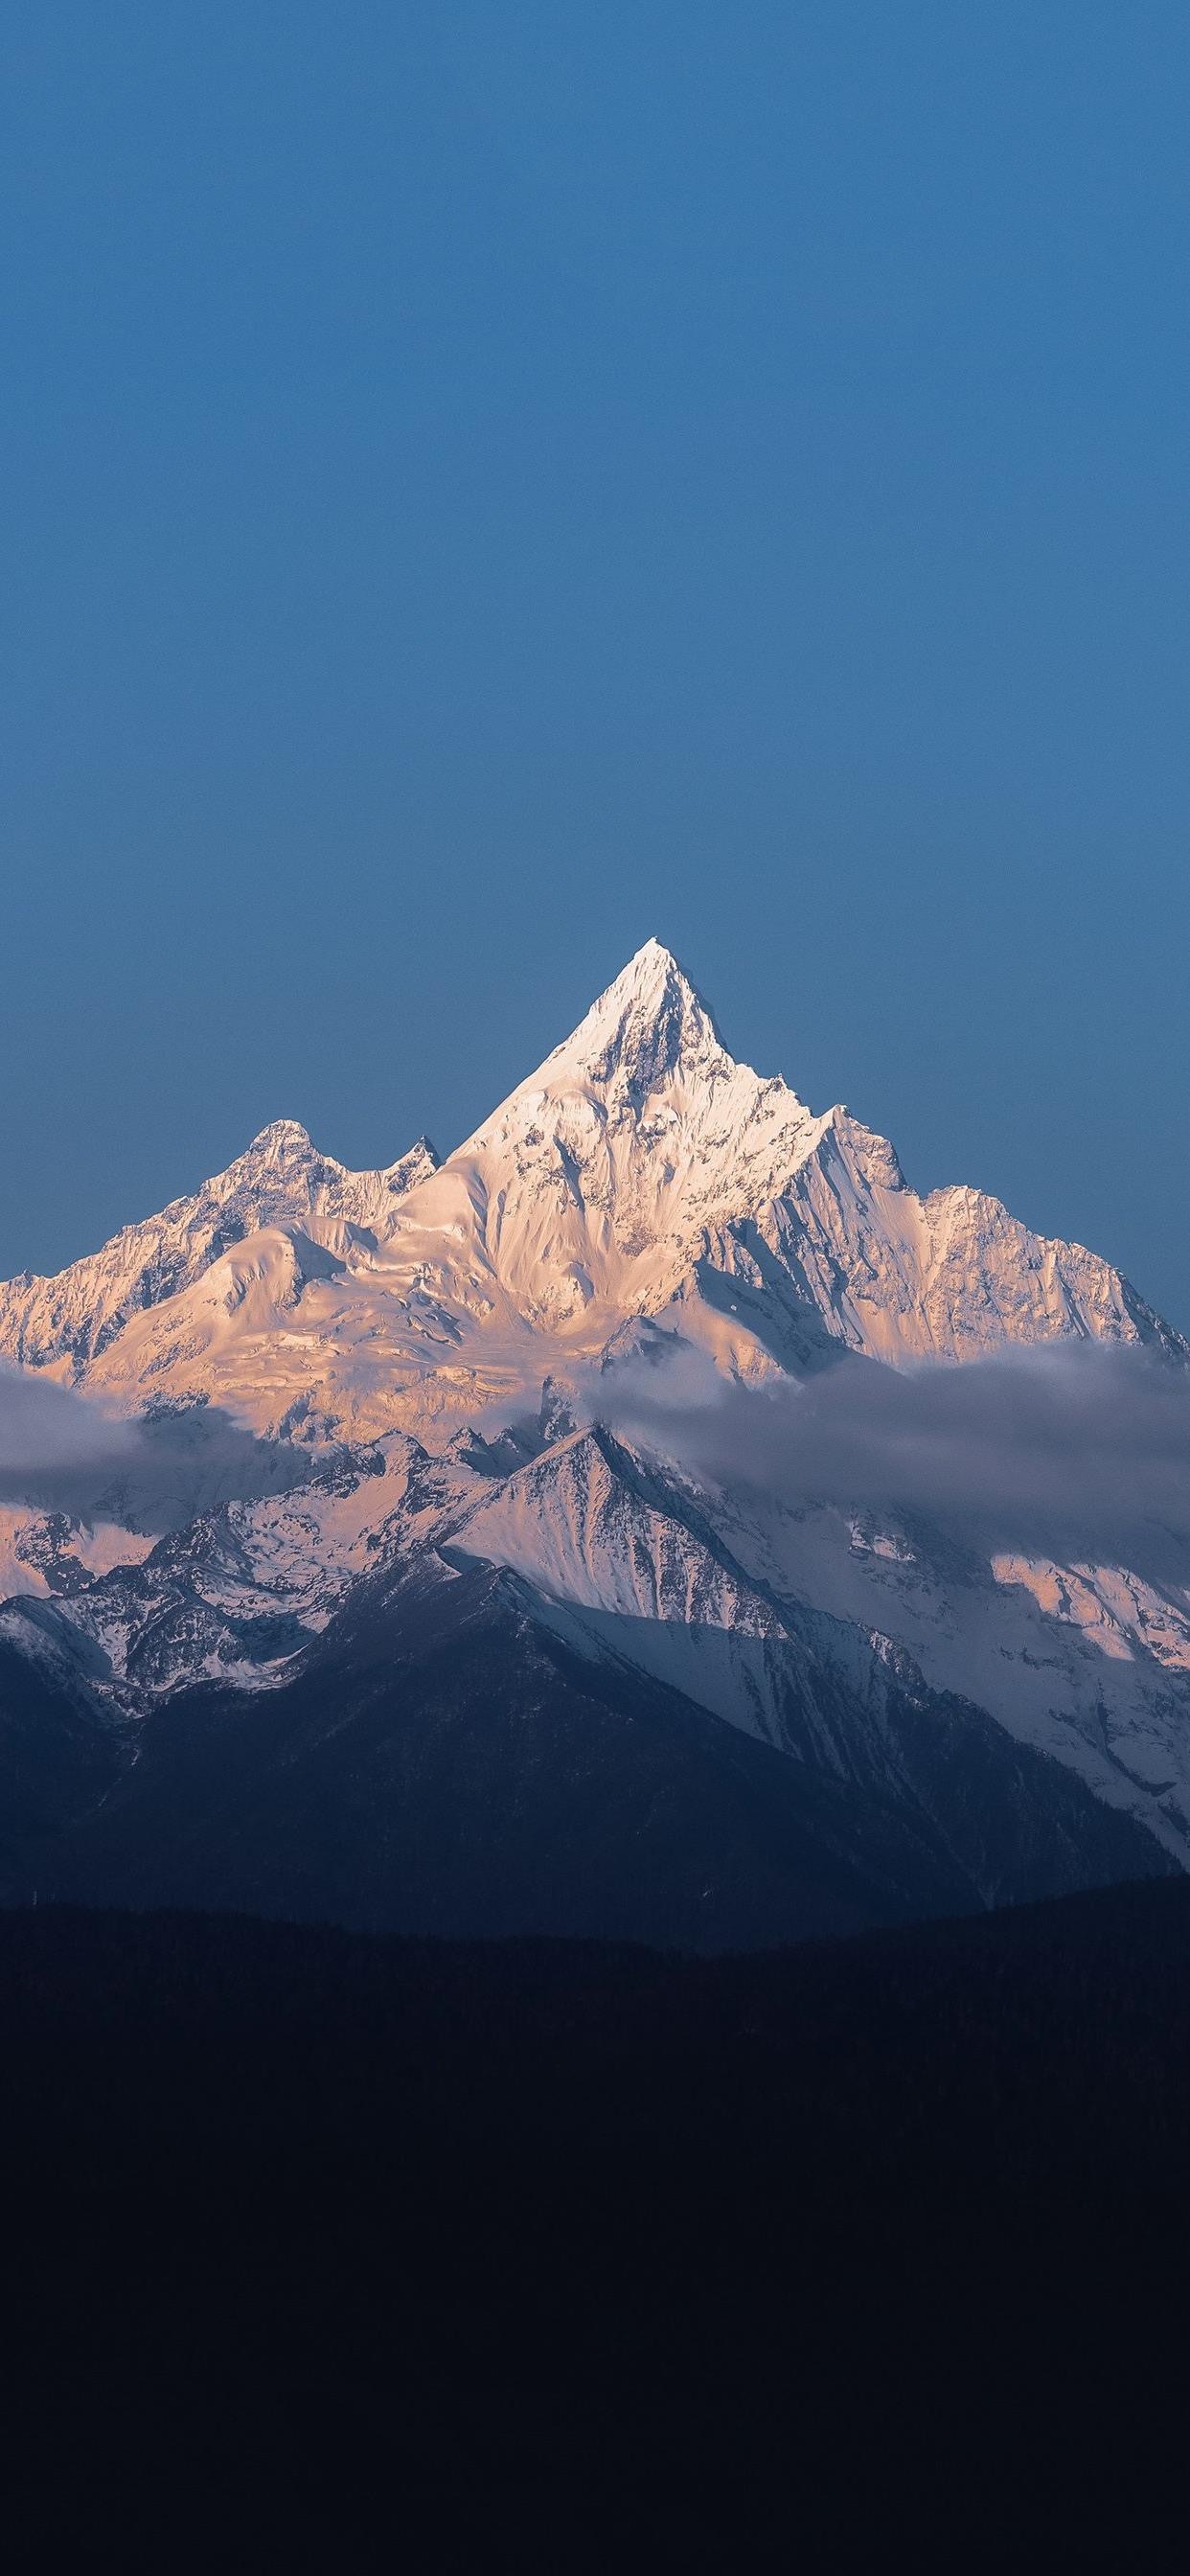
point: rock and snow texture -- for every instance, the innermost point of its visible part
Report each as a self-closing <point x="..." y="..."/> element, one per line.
<point x="48" y="1552"/>
<point x="421" y="1337"/>
<point x="235" y="1594"/>
<point x="640" y="1172"/>
<point x="280" y="1180"/>
<point x="1090" y="1666"/>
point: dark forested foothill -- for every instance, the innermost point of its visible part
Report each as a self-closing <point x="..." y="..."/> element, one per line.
<point x="576" y="2256"/>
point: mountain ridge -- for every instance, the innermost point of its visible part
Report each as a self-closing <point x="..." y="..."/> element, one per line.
<point x="419" y="1353"/>
<point x="74" y="1313"/>
<point x="638" y="1169"/>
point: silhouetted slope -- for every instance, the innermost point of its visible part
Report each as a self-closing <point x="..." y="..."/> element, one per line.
<point x="57" y="1760"/>
<point x="444" y="1763"/>
<point x="584" y="2257"/>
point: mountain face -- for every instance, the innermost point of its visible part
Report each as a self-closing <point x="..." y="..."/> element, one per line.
<point x="279" y="1182"/>
<point x="640" y="1173"/>
<point x="488" y="1658"/>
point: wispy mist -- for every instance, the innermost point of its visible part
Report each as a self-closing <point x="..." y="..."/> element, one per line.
<point x="1071" y="1450"/>
<point x="63" y="1451"/>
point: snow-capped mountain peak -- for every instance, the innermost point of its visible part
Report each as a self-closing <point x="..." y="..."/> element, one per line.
<point x="282" y="1160"/>
<point x="649" y="1028"/>
<point x="641" y="1171"/>
<point x="282" y="1140"/>
<point x="279" y="1179"/>
<point x="420" y="1344"/>
<point x="592" y="1190"/>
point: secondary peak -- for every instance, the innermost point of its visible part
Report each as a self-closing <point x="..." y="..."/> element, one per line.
<point x="282" y="1135"/>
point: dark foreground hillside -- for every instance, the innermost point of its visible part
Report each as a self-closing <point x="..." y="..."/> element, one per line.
<point x="345" y="2253"/>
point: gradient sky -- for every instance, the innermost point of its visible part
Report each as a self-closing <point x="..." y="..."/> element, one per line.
<point x="484" y="485"/>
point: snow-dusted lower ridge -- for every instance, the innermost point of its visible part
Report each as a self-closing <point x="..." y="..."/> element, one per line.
<point x="464" y="1576"/>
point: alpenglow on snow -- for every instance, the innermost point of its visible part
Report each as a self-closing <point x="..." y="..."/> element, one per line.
<point x="416" y="1529"/>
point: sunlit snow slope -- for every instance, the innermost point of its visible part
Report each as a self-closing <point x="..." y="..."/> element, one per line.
<point x="639" y="1173"/>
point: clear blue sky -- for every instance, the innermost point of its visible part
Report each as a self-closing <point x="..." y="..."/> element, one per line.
<point x="488" y="483"/>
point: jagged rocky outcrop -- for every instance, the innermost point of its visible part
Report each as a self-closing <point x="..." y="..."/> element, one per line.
<point x="280" y="1180"/>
